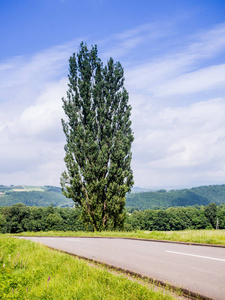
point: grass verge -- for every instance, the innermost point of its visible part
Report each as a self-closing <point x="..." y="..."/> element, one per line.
<point x="216" y="237"/>
<point x="31" y="271"/>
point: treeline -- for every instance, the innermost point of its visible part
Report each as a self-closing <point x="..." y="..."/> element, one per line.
<point x="20" y="218"/>
<point x="178" y="218"/>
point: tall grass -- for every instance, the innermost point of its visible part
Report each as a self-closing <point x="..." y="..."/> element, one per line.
<point x="31" y="271"/>
<point x="190" y="236"/>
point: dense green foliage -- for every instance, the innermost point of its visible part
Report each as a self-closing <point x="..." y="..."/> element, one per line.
<point x="98" y="139"/>
<point x="20" y="218"/>
<point x="187" y="197"/>
<point x="178" y="218"/>
<point x="32" y="271"/>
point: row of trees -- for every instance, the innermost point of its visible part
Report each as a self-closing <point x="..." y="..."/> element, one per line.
<point x="178" y="218"/>
<point x="19" y="218"/>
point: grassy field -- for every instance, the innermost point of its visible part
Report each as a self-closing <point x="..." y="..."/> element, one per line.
<point x="216" y="237"/>
<point x="32" y="271"/>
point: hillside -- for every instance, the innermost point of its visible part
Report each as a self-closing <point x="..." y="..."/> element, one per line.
<point x="37" y="196"/>
<point x="47" y="195"/>
<point x="187" y="197"/>
<point x="33" y="196"/>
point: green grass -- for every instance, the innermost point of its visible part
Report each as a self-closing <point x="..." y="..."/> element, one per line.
<point x="216" y="237"/>
<point x="32" y="271"/>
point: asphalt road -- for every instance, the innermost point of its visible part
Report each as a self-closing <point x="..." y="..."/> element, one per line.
<point x="199" y="269"/>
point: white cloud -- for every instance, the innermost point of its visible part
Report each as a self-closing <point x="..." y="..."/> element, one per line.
<point x="43" y="119"/>
<point x="30" y="117"/>
<point x="175" y="144"/>
<point x="188" y="142"/>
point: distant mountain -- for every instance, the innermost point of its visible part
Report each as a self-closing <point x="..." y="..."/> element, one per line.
<point x="137" y="189"/>
<point x="47" y="195"/>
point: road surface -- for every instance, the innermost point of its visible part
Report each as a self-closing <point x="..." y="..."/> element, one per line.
<point x="199" y="269"/>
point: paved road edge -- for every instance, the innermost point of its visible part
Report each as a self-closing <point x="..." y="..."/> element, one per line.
<point x="187" y="293"/>
<point x="129" y="238"/>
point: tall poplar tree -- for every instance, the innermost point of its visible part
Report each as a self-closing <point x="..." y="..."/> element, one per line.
<point x="98" y="139"/>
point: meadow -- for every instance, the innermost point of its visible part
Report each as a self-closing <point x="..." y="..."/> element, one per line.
<point x="32" y="271"/>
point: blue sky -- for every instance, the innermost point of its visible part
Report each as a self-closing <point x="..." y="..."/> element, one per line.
<point x="173" y="56"/>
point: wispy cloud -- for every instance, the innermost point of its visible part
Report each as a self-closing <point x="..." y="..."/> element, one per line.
<point x="122" y="44"/>
<point x="203" y="80"/>
<point x="191" y="69"/>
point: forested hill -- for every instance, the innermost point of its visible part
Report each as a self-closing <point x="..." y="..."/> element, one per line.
<point x="47" y="195"/>
<point x="202" y="195"/>
<point x="33" y="196"/>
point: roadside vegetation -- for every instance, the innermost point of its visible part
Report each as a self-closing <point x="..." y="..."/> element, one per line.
<point x="32" y="271"/>
<point x="216" y="237"/>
